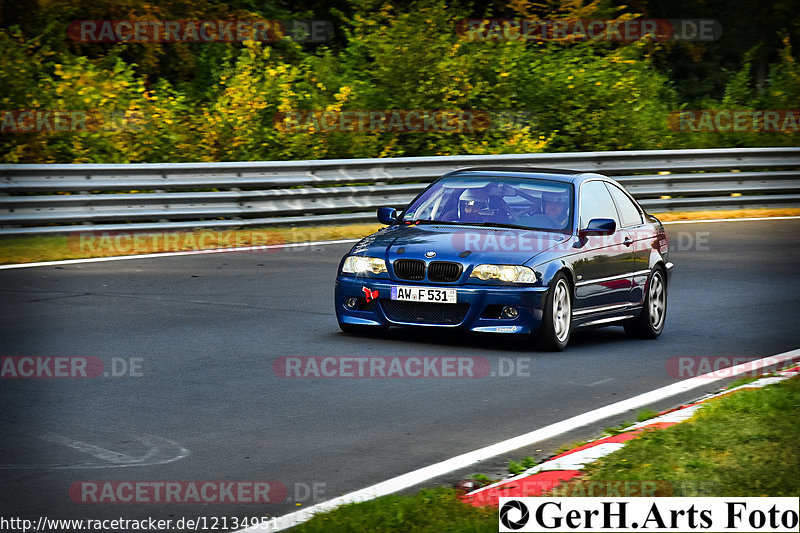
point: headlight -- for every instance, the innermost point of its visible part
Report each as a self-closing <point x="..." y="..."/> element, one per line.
<point x="358" y="264"/>
<point x="515" y="273"/>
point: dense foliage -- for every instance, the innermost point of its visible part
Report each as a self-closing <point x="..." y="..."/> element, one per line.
<point x="224" y="101"/>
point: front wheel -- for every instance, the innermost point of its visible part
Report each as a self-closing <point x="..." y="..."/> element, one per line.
<point x="557" y="316"/>
<point x="650" y="323"/>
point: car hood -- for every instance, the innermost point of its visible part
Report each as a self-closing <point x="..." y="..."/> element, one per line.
<point x="465" y="244"/>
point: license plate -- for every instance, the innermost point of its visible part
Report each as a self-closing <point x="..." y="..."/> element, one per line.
<point x="424" y="294"/>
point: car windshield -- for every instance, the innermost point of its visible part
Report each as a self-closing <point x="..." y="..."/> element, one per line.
<point x="494" y="201"/>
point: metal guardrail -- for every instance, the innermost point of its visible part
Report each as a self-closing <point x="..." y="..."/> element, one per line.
<point x="36" y="199"/>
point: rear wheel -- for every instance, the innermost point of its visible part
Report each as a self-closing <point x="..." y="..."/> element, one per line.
<point x="557" y="316"/>
<point x="650" y="323"/>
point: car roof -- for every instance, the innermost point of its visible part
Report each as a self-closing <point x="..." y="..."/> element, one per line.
<point x="556" y="174"/>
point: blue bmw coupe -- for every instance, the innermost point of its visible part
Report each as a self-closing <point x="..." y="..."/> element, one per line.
<point x="515" y="251"/>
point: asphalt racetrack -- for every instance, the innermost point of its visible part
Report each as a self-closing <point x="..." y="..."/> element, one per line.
<point x="189" y="345"/>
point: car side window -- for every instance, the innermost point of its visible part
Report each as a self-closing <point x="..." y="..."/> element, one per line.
<point x="628" y="212"/>
<point x="596" y="202"/>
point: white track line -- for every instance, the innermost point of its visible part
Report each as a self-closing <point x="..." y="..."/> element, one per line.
<point x="461" y="461"/>
<point x="264" y="248"/>
<point x="297" y="245"/>
<point x="674" y="417"/>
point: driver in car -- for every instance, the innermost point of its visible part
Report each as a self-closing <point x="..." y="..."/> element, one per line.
<point x="484" y="205"/>
<point x="555" y="211"/>
<point x="556" y="208"/>
<point x="473" y="206"/>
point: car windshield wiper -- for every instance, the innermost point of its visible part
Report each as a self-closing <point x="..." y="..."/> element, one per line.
<point x="422" y="221"/>
<point x="464" y="223"/>
<point x="499" y="225"/>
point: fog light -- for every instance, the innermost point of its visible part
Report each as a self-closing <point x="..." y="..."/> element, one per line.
<point x="509" y="312"/>
<point x="350" y="302"/>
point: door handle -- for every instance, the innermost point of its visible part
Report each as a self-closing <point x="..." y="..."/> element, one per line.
<point x="628" y="241"/>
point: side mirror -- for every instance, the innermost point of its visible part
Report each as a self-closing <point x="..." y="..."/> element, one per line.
<point x="599" y="226"/>
<point x="387" y="215"/>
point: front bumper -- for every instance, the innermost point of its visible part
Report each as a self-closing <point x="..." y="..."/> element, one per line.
<point x="475" y="310"/>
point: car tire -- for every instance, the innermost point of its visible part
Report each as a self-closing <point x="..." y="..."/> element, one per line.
<point x="650" y="323"/>
<point x="557" y="316"/>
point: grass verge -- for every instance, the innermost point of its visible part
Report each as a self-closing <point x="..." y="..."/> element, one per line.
<point x="432" y="510"/>
<point x="84" y="244"/>
<point x="743" y="444"/>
